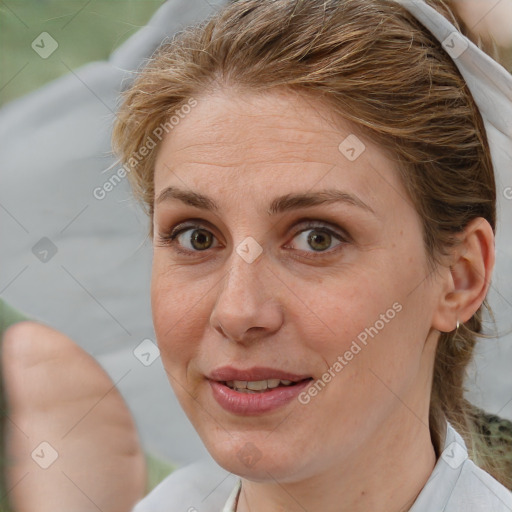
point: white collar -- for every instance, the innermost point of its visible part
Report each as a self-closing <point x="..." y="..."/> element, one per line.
<point x="456" y="484"/>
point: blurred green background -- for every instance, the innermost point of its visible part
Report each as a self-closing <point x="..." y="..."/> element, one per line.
<point x="85" y="30"/>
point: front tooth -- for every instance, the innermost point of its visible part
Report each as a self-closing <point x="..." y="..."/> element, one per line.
<point x="240" y="383"/>
<point x="286" y="382"/>
<point x="273" y="383"/>
<point x="257" y="385"/>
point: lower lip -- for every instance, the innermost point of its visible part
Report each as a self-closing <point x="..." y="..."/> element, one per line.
<point x="255" y="403"/>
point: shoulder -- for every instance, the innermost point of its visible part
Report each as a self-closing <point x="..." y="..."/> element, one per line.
<point x="457" y="484"/>
<point x="203" y="486"/>
<point x="477" y="491"/>
<point x="473" y="488"/>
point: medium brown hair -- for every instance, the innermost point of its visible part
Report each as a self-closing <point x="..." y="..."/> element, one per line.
<point x="381" y="70"/>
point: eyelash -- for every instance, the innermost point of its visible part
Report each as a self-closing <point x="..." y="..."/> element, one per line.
<point x="169" y="239"/>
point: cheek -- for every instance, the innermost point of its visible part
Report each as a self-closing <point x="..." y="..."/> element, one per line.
<point x="174" y="312"/>
<point x="340" y="311"/>
<point x="368" y="317"/>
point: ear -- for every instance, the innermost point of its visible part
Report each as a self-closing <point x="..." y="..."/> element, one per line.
<point x="466" y="281"/>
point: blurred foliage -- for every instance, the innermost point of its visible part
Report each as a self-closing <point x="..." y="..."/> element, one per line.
<point x="85" y="30"/>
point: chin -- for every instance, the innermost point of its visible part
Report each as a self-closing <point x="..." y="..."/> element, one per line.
<point x="261" y="455"/>
<point x="258" y="470"/>
<point x="254" y="459"/>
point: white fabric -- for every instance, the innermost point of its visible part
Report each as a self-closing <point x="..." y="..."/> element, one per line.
<point x="490" y="85"/>
<point x="200" y="487"/>
<point x="232" y="502"/>
<point x="458" y="485"/>
<point x="455" y="485"/>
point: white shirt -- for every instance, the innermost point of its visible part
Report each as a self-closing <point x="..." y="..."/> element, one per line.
<point x="455" y="485"/>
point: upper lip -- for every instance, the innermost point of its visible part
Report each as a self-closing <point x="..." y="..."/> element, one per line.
<point x="228" y="373"/>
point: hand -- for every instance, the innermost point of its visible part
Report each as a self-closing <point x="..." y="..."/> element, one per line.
<point x="70" y="436"/>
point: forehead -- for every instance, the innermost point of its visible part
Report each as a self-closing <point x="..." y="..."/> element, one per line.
<point x="278" y="140"/>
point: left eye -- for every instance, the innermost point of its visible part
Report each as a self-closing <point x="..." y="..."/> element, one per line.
<point x="318" y="238"/>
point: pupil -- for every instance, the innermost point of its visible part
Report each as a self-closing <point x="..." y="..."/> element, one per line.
<point x="199" y="236"/>
<point x="316" y="235"/>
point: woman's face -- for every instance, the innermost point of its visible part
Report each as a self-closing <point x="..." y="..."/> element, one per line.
<point x="297" y="256"/>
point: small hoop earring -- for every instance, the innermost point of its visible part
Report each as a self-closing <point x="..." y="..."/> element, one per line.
<point x="457" y="341"/>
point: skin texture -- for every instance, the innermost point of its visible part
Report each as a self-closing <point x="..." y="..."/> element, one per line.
<point x="58" y="393"/>
<point x="363" y="442"/>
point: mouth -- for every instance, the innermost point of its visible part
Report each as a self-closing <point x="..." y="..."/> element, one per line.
<point x="260" y="386"/>
<point x="255" y="391"/>
<point x="256" y="374"/>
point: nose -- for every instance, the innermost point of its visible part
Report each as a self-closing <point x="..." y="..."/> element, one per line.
<point x="247" y="308"/>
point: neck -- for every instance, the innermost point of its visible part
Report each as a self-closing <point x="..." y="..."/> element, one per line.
<point x="386" y="475"/>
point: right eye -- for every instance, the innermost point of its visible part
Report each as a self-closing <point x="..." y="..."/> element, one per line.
<point x="199" y="239"/>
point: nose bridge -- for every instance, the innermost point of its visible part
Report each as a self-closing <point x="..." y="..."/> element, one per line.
<point x="243" y="302"/>
<point x="244" y="276"/>
<point x="247" y="255"/>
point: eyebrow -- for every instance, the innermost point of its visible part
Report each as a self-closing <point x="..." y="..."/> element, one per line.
<point x="280" y="204"/>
